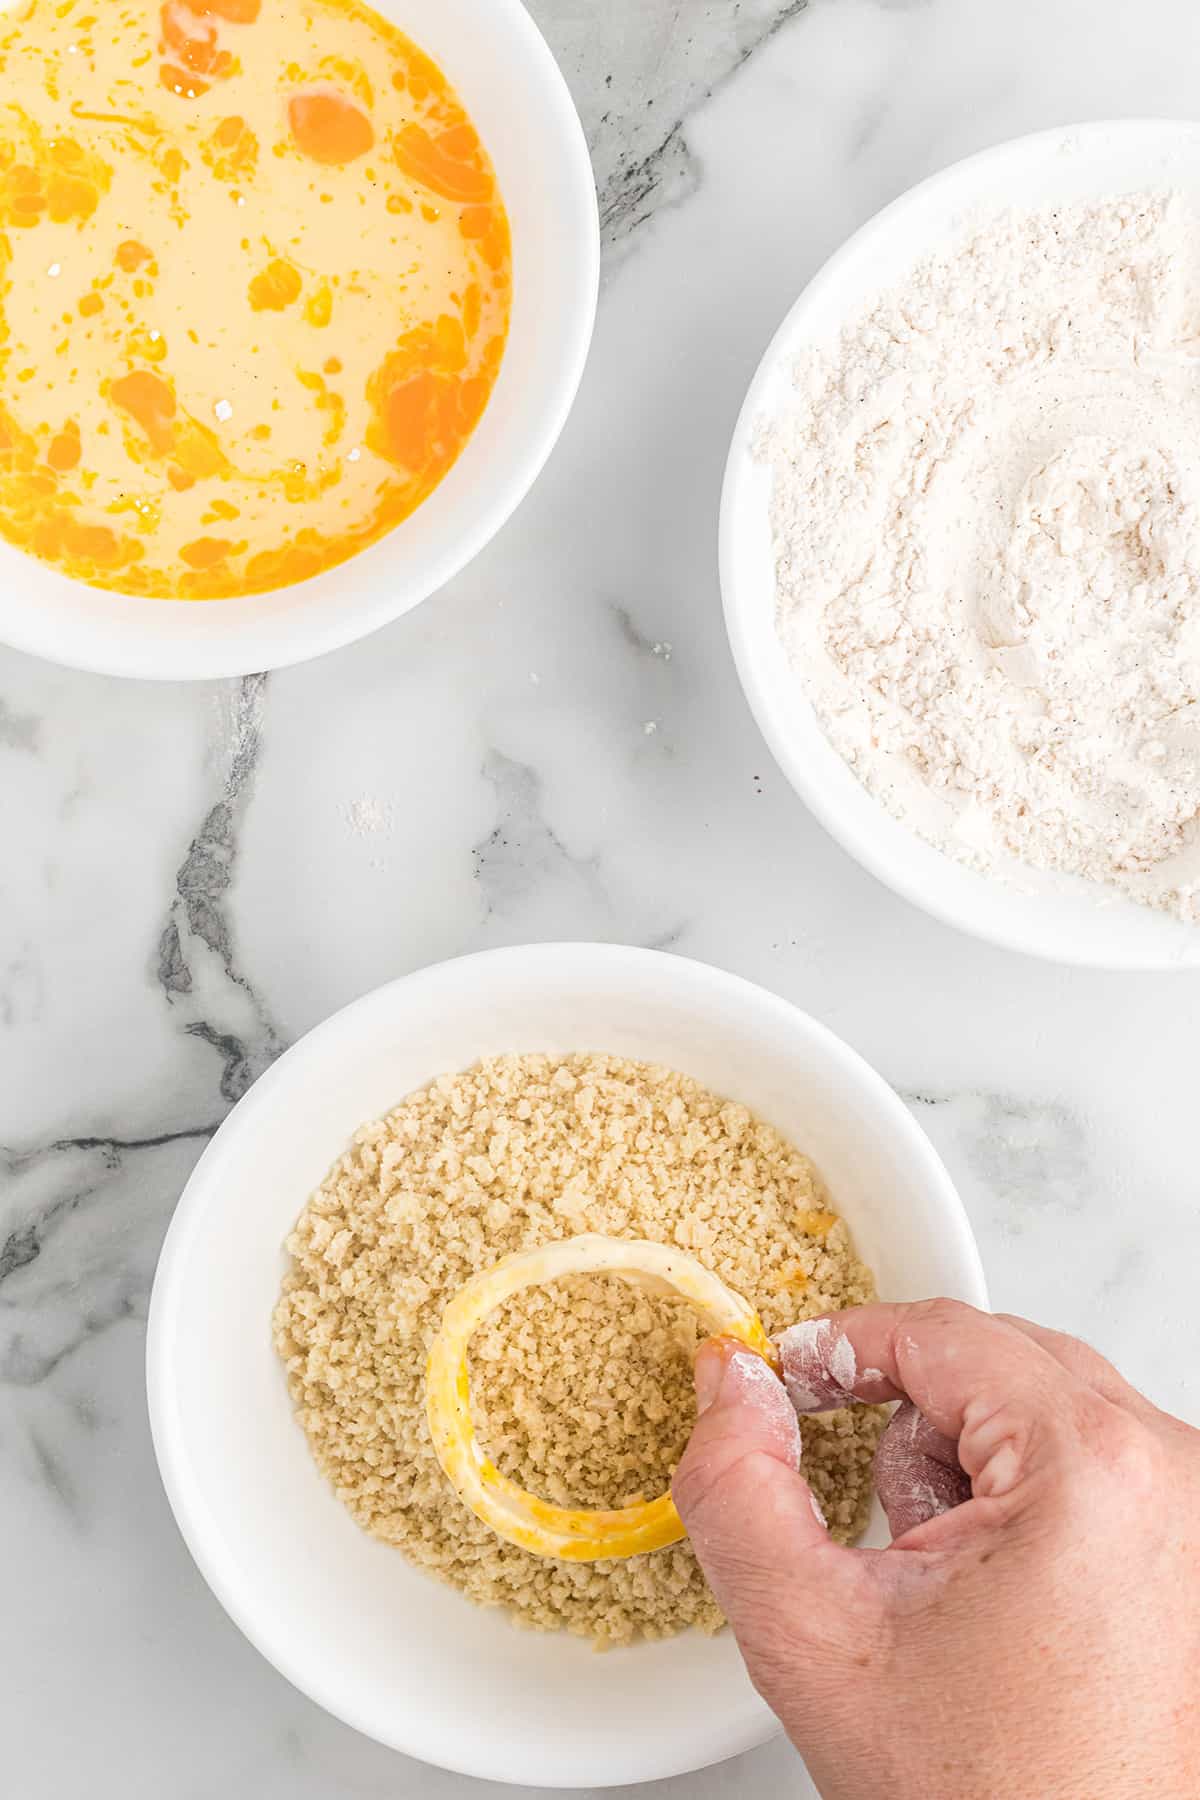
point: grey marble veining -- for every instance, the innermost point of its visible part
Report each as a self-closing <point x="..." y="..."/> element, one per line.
<point x="197" y="965"/>
<point x="637" y="72"/>
<point x="554" y="747"/>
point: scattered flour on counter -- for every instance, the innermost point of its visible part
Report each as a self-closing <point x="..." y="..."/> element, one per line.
<point x="986" y="509"/>
<point x="369" y="815"/>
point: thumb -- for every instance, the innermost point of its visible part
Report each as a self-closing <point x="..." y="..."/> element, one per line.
<point x="751" y="1516"/>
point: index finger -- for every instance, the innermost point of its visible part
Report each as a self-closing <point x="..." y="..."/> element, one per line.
<point x="974" y="1377"/>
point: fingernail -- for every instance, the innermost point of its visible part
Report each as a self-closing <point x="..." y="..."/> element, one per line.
<point x="711" y="1359"/>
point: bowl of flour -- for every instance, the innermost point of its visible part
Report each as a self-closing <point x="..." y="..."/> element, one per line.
<point x="960" y="545"/>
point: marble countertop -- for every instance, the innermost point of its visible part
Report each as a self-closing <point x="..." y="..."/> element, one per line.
<point x="193" y="876"/>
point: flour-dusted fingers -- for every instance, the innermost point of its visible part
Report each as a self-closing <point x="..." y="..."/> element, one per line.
<point x="781" y="1580"/>
<point x="917" y="1472"/>
<point x="977" y="1379"/>
<point x="821" y="1370"/>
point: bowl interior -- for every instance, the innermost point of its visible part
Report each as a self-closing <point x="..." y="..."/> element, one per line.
<point x="1053" y="916"/>
<point x="507" y="78"/>
<point x="394" y="1653"/>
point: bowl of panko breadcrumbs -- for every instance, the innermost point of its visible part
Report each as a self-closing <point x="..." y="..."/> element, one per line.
<point x="469" y="1112"/>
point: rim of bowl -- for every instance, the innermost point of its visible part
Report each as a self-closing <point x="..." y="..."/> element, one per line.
<point x="204" y="1541"/>
<point x="283" y="640"/>
<point x="1050" y="940"/>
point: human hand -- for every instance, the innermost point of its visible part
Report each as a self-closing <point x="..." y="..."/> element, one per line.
<point x="1032" y="1633"/>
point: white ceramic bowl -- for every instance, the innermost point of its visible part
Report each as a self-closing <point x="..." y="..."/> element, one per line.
<point x="386" y="1648"/>
<point x="1057" y="917"/>
<point x="497" y="59"/>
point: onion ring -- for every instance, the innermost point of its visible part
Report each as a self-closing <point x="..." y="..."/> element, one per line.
<point x="575" y="1534"/>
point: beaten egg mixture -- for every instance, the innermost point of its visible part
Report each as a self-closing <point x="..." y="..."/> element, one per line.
<point x="254" y="287"/>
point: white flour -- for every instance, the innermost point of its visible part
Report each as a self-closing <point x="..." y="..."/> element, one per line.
<point x="986" y="506"/>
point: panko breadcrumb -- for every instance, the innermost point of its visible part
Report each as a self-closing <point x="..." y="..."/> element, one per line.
<point x="581" y="1390"/>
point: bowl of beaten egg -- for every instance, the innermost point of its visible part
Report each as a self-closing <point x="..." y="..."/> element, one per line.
<point x="296" y="296"/>
<point x="333" y="1596"/>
